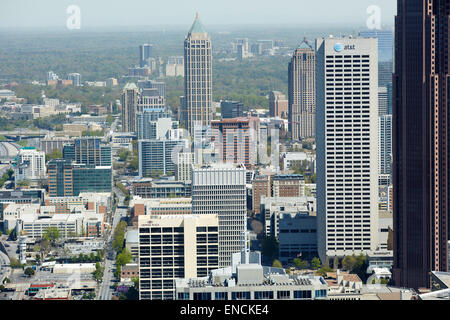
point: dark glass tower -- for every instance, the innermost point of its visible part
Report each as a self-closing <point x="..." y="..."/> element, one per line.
<point x="421" y="135"/>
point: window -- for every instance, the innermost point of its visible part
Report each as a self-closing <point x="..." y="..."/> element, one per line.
<point x="202" y="295"/>
<point x="321" y="293"/>
<point x="240" y="295"/>
<point x="302" y="294"/>
<point x="263" y="295"/>
<point x="283" y="294"/>
<point x="221" y="296"/>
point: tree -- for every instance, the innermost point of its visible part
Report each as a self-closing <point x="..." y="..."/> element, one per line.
<point x="52" y="234"/>
<point x="44" y="248"/>
<point x="315" y="263"/>
<point x="23" y="183"/>
<point x="124" y="257"/>
<point x="336" y="263"/>
<point x="300" y="264"/>
<point x="277" y="264"/>
<point x="29" y="272"/>
<point x="349" y="262"/>
<point x="98" y="273"/>
<point x="119" y="236"/>
<point x="14" y="263"/>
<point x="270" y="248"/>
<point x="323" y="271"/>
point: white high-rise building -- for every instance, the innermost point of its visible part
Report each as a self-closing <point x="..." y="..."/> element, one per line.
<point x="185" y="162"/>
<point x="30" y="165"/>
<point x="385" y="144"/>
<point x="175" y="246"/>
<point x="221" y="189"/>
<point x="382" y="101"/>
<point x="347" y="146"/>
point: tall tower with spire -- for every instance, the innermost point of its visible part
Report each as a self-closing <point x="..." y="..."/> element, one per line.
<point x="197" y="109"/>
<point x="302" y="92"/>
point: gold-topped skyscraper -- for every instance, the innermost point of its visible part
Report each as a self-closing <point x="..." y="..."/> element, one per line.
<point x="197" y="107"/>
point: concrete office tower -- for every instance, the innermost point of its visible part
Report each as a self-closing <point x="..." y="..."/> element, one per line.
<point x="261" y="187"/>
<point x="157" y="129"/>
<point x="160" y="86"/>
<point x="231" y="109"/>
<point x="347" y="146"/>
<point x="220" y="189"/>
<point x="278" y="104"/>
<point x="67" y="179"/>
<point x="150" y="99"/>
<point x="236" y="140"/>
<point x="145" y="52"/>
<point x="76" y="79"/>
<point x="30" y="165"/>
<point x="421" y="142"/>
<point x="157" y="157"/>
<point x="147" y="122"/>
<point x="184" y="164"/>
<point x="175" y="246"/>
<point x="197" y="77"/>
<point x="288" y="185"/>
<point x="130" y="98"/>
<point x="91" y="151"/>
<point x="242" y="48"/>
<point x="302" y="93"/>
<point x="382" y="101"/>
<point x="175" y="66"/>
<point x="385" y="144"/>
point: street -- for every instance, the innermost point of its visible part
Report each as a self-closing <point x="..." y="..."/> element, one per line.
<point x="105" y="291"/>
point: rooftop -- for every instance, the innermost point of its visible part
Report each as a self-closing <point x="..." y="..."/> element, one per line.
<point x="197" y="26"/>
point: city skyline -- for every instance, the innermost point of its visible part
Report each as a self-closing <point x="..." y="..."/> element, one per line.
<point x="258" y="164"/>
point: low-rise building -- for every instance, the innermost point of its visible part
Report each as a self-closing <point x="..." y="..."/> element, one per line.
<point x="249" y="280"/>
<point x="129" y="271"/>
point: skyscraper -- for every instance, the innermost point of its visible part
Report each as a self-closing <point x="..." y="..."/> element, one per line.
<point x="278" y="104"/>
<point x="385" y="143"/>
<point x="302" y="93"/>
<point x="197" y="77"/>
<point x="145" y="52"/>
<point x="220" y="189"/>
<point x="130" y="98"/>
<point x="174" y="246"/>
<point x="231" y="109"/>
<point x="347" y="146"/>
<point x="421" y="141"/>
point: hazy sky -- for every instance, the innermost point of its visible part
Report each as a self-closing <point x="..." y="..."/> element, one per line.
<point x="114" y="13"/>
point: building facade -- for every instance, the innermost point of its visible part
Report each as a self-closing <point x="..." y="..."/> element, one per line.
<point x="236" y="140"/>
<point x="173" y="247"/>
<point x="347" y="146"/>
<point x="302" y="93"/>
<point x="158" y="156"/>
<point x="197" y="77"/>
<point x="278" y="105"/>
<point x="221" y="190"/>
<point x="130" y="98"/>
<point x="421" y="142"/>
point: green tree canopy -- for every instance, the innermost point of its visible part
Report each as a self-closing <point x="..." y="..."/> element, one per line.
<point x="124" y="257"/>
<point x="29" y="272"/>
<point x="315" y="263"/>
<point x="301" y="264"/>
<point x="277" y="264"/>
<point x="52" y="234"/>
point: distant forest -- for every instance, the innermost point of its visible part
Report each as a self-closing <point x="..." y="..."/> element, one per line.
<point x="101" y="55"/>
